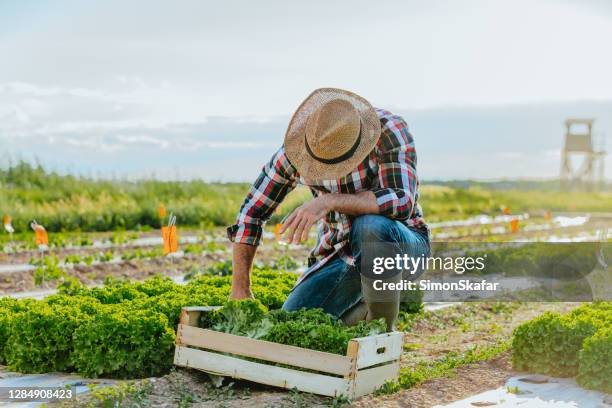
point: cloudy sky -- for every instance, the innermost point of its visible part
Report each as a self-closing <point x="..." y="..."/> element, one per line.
<point x="204" y="89"/>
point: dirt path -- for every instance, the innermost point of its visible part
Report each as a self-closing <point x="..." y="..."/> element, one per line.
<point x="468" y="380"/>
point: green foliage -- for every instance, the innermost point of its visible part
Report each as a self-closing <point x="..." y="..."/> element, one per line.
<point x="141" y="253"/>
<point x="116" y="395"/>
<point x="123" y="343"/>
<point x="8" y="307"/>
<point x="313" y="328"/>
<point x="169" y="304"/>
<point x="40" y="337"/>
<point x="551" y="344"/>
<point x="459" y="201"/>
<point x="567" y="261"/>
<point x="223" y="268"/>
<point x="122" y="329"/>
<point x="68" y="203"/>
<point x="47" y="269"/>
<point x="241" y="317"/>
<point x="106" y="256"/>
<point x="285" y="263"/>
<point x="596" y="361"/>
<point x="72" y="259"/>
<point x="270" y="287"/>
<point x="412" y="376"/>
<point x="412" y="301"/>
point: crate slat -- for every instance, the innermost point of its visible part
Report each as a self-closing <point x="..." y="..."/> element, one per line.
<point x="379" y="349"/>
<point x="265" y="374"/>
<point x="264" y="350"/>
<point x="370" y="379"/>
<point x="200" y="308"/>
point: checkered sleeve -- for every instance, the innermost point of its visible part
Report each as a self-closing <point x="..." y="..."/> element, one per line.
<point x="398" y="182"/>
<point x="276" y="179"/>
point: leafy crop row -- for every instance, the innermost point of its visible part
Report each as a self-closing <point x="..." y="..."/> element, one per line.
<point x="127" y="329"/>
<point x="578" y="343"/>
<point x="122" y="329"/>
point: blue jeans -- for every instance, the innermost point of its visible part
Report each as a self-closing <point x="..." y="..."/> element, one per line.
<point x="337" y="286"/>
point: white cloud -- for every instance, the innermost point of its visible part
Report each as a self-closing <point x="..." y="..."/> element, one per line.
<point x="139" y="76"/>
<point x="143" y="140"/>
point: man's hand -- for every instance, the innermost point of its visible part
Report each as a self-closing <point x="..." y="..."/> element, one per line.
<point x="241" y="293"/>
<point x="299" y="222"/>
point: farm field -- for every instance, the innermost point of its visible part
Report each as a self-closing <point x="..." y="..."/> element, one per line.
<point x="105" y="264"/>
<point x="212" y="205"/>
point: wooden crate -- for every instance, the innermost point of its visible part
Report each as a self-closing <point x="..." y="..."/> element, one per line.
<point x="368" y="363"/>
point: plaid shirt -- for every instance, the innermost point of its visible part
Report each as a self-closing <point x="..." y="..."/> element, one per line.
<point x="389" y="172"/>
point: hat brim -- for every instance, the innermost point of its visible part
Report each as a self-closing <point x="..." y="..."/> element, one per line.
<point x="309" y="167"/>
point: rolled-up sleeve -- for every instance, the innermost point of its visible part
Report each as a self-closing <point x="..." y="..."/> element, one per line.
<point x="275" y="181"/>
<point x="398" y="181"/>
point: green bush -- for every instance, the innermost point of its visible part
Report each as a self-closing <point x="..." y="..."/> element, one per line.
<point x="8" y="308"/>
<point x="122" y="343"/>
<point x="531" y="351"/>
<point x="551" y="344"/>
<point x="596" y="362"/>
<point x="169" y="304"/>
<point x="40" y="337"/>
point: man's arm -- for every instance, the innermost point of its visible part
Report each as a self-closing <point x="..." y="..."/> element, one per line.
<point x="277" y="178"/>
<point x="241" y="276"/>
<point x="300" y="221"/>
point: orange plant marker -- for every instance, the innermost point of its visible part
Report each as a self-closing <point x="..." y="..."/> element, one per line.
<point x="6" y="220"/>
<point x="514" y="225"/>
<point x="161" y="211"/>
<point x="42" y="238"/>
<point x="277" y="231"/>
<point x="170" y="237"/>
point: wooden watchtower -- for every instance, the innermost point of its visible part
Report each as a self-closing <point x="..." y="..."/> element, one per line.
<point x="587" y="175"/>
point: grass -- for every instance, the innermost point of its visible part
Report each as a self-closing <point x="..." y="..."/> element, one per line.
<point x="69" y="203"/>
<point x="444" y="367"/>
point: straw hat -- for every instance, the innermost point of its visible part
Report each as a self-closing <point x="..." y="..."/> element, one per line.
<point x="331" y="132"/>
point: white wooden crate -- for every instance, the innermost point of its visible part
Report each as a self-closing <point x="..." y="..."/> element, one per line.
<point x="369" y="361"/>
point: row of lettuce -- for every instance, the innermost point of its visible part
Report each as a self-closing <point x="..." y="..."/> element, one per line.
<point x="127" y="329"/>
<point x="575" y="344"/>
<point x="123" y="329"/>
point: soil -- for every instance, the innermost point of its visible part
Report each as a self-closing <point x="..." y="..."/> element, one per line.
<point x="139" y="269"/>
<point x="466" y="381"/>
<point x="21" y="257"/>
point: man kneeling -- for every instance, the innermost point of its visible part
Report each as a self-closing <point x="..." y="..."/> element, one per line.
<point x="360" y="165"/>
